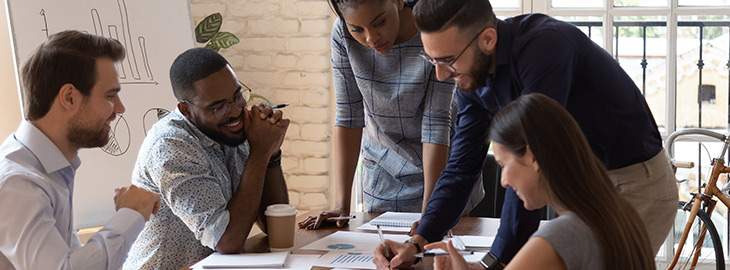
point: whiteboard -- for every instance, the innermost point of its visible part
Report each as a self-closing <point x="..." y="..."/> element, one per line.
<point x="153" y="33"/>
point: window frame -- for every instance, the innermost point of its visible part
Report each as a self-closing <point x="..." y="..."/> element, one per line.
<point x="672" y="11"/>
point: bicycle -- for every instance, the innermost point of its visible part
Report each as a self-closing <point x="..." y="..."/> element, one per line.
<point x="700" y="206"/>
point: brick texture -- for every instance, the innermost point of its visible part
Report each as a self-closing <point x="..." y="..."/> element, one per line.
<point x="284" y="56"/>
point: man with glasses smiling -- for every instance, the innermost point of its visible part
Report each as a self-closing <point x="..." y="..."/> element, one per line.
<point x="495" y="61"/>
<point x="215" y="163"/>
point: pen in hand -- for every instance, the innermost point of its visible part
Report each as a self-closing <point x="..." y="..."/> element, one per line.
<point x="279" y="106"/>
<point x="382" y="242"/>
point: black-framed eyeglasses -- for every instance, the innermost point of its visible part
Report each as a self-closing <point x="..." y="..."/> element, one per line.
<point x="220" y="109"/>
<point x="450" y="64"/>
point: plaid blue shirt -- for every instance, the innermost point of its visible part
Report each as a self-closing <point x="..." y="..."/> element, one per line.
<point x="398" y="100"/>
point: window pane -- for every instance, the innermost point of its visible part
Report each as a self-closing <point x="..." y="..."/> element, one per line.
<point x="641" y="46"/>
<point x="702" y="94"/>
<point x="591" y="26"/>
<point x="497" y="4"/>
<point x="641" y="3"/>
<point x="704" y="2"/>
<point x="577" y="3"/>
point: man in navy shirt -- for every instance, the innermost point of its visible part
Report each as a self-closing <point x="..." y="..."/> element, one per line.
<point x="493" y="62"/>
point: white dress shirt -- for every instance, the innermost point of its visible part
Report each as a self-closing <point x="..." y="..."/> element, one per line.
<point x="36" y="191"/>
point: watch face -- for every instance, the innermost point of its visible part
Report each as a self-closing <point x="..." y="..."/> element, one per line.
<point x="490" y="261"/>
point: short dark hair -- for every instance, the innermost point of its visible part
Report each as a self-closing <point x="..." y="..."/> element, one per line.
<point x="66" y="57"/>
<point x="191" y="66"/>
<point x="436" y="15"/>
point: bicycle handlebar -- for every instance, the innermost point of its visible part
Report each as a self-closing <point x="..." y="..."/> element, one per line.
<point x="691" y="131"/>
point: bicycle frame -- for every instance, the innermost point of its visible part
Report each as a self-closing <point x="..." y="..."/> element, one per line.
<point x="703" y="198"/>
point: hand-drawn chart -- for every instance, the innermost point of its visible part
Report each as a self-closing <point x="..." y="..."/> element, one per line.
<point x="119" y="138"/>
<point x="136" y="67"/>
<point x="153" y="34"/>
<point x="151" y="117"/>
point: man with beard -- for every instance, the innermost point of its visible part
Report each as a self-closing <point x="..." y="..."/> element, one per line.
<point x="493" y="62"/>
<point x="215" y="163"/>
<point x="71" y="89"/>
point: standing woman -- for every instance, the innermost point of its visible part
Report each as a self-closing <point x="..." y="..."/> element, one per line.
<point x="391" y="109"/>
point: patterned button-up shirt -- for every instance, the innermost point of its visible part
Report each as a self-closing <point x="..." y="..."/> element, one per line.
<point x="195" y="177"/>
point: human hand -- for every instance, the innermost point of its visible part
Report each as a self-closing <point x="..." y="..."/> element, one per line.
<point x="414" y="226"/>
<point x="144" y="202"/>
<point x="402" y="255"/>
<point x="325" y="219"/>
<point x="265" y="130"/>
<point x="454" y="261"/>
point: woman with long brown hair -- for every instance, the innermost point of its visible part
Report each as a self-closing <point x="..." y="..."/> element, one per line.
<point x="546" y="159"/>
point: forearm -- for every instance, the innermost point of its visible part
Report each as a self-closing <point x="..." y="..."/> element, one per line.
<point x="347" y="151"/>
<point x="244" y="206"/>
<point x="275" y="192"/>
<point x="434" y="161"/>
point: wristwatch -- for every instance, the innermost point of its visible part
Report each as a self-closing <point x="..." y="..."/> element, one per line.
<point x="491" y="262"/>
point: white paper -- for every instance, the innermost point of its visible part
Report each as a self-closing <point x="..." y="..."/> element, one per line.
<point x="350" y="260"/>
<point x="352" y="241"/>
<point x="293" y="262"/>
<point x="396" y="219"/>
<point x="369" y="227"/>
<point x="476" y="257"/>
<point x="475" y="241"/>
<point x="247" y="260"/>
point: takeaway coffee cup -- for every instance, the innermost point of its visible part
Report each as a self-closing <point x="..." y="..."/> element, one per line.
<point x="280" y="226"/>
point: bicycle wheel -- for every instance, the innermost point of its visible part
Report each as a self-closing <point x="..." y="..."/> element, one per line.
<point x="710" y="249"/>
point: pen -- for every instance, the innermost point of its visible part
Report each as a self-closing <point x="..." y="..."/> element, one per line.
<point x="430" y="253"/>
<point x="279" y="106"/>
<point x="382" y="241"/>
<point x="340" y="218"/>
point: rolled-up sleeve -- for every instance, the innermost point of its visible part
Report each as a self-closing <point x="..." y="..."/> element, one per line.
<point x="436" y="124"/>
<point x="189" y="189"/>
<point x="349" y="110"/>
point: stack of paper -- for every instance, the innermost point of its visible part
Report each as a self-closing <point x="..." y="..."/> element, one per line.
<point x="393" y="222"/>
<point x="474" y="241"/>
<point x="248" y="260"/>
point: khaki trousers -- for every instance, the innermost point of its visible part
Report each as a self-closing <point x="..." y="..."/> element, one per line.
<point x="651" y="188"/>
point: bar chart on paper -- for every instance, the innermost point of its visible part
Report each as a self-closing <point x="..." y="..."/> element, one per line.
<point x="351" y="260"/>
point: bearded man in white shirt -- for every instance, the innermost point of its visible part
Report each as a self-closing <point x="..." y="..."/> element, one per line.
<point x="71" y="90"/>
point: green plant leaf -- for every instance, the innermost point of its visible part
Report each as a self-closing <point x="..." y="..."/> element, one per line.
<point x="213" y="46"/>
<point x="223" y="40"/>
<point x="208" y="27"/>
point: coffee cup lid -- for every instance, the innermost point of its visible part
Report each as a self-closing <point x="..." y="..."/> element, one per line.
<point x="280" y="210"/>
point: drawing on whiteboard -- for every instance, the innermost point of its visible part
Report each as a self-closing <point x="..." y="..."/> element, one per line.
<point x="136" y="68"/>
<point x="45" y="22"/>
<point x="119" y="138"/>
<point x="159" y="114"/>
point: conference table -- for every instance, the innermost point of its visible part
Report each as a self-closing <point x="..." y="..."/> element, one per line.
<point x="466" y="226"/>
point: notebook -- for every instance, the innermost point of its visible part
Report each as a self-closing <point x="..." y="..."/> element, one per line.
<point x="396" y="219"/>
<point x="247" y="260"/>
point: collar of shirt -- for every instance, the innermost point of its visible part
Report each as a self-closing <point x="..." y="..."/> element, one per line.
<point x="504" y="44"/>
<point x="205" y="141"/>
<point x="47" y="153"/>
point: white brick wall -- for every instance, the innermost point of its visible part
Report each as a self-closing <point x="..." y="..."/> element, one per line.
<point x="284" y="55"/>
